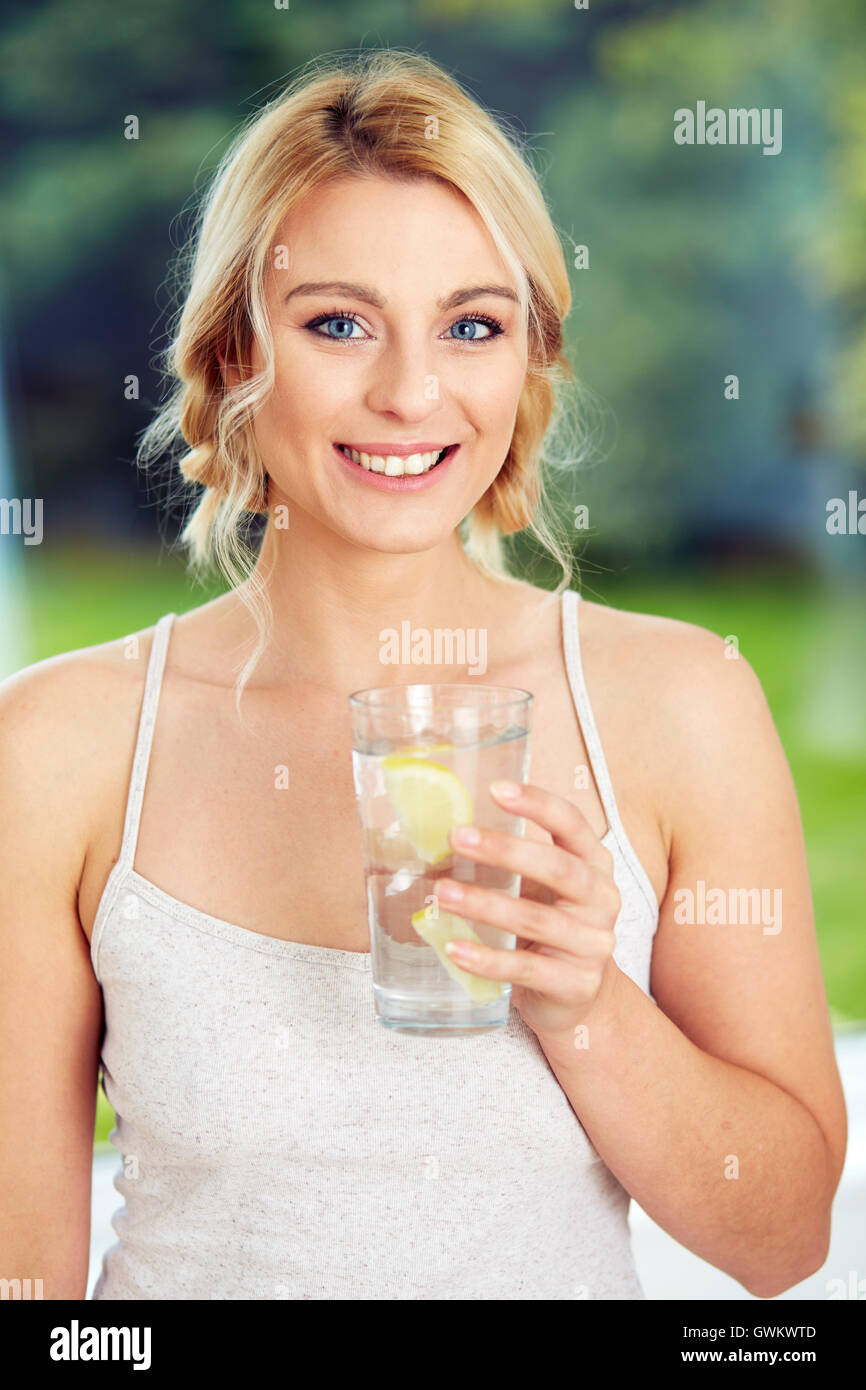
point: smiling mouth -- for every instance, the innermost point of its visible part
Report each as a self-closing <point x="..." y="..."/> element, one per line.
<point x="395" y="465"/>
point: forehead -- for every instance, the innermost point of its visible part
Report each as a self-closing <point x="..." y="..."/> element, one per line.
<point x="398" y="232"/>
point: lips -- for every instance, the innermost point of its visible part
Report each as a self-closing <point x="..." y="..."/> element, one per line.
<point x="397" y="461"/>
<point x="392" y="477"/>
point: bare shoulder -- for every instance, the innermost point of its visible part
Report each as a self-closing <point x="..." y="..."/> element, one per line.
<point x="67" y="726"/>
<point x="652" y="630"/>
<point x="678" y="665"/>
<point x="689" y="706"/>
<point x="654" y="675"/>
<point x="73" y="693"/>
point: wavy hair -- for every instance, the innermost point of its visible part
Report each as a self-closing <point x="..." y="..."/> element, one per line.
<point x="389" y="113"/>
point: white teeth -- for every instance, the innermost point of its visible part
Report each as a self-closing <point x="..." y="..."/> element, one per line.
<point x="394" y="465"/>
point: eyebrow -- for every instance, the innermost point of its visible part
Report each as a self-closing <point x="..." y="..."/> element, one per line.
<point x="371" y="296"/>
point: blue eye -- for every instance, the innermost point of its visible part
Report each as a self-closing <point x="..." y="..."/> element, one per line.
<point x="473" y="322"/>
<point x="342" y="322"/>
<point x="338" y="326"/>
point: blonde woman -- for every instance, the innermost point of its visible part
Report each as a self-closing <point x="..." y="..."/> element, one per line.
<point x="369" y="357"/>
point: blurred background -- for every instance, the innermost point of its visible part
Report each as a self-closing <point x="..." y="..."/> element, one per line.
<point x="702" y="263"/>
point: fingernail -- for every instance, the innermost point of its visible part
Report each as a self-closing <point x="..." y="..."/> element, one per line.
<point x="466" y="835"/>
<point x="461" y="949"/>
<point x="506" y="790"/>
<point x="450" y="892"/>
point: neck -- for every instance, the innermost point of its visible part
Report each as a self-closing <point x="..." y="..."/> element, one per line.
<point x="340" y="612"/>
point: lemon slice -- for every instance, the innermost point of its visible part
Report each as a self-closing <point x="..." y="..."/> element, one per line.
<point x="430" y="800"/>
<point x="436" y="931"/>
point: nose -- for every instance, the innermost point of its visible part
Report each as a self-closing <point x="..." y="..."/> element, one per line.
<point x="403" y="382"/>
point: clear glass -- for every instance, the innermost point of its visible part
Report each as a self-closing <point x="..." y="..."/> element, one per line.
<point x="423" y="758"/>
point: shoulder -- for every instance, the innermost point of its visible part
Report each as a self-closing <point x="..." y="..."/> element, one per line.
<point x="66" y="725"/>
<point x="68" y="692"/>
<point x="659" y="672"/>
<point x="675" y="665"/>
<point x="671" y="659"/>
<point x="699" y="713"/>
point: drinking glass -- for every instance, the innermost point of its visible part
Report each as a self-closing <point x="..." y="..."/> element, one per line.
<point x="423" y="758"/>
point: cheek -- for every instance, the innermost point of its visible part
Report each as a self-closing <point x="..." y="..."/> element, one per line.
<point x="491" y="396"/>
<point x="307" y="391"/>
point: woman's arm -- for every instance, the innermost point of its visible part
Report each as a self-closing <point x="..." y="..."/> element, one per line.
<point x="721" y="1110"/>
<point x="50" y="1002"/>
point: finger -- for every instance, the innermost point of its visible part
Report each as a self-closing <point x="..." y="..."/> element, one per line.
<point x="567" y="826"/>
<point x="528" y="920"/>
<point x="556" y="979"/>
<point x="563" y="872"/>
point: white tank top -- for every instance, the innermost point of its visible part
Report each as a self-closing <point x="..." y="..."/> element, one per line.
<point x="278" y="1142"/>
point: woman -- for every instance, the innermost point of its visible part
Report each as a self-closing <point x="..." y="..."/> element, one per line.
<point x="368" y="356"/>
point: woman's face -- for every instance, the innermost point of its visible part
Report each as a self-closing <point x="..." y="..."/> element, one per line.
<point x="396" y="333"/>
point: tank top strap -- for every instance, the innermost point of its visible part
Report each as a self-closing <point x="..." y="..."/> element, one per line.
<point x="589" y="729"/>
<point x="577" y="681"/>
<point x="146" y="722"/>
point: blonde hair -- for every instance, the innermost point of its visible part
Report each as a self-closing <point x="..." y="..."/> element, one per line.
<point x="371" y="114"/>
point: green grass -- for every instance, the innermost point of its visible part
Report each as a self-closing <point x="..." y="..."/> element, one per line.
<point x="808" y="647"/>
<point x="79" y="596"/>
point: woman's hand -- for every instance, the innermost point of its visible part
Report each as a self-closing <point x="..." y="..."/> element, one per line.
<point x="566" y="911"/>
